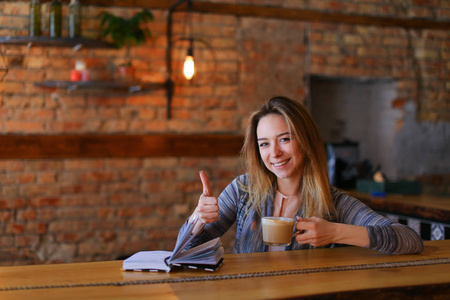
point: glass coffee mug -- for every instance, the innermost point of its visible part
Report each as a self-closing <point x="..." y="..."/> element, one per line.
<point x="277" y="231"/>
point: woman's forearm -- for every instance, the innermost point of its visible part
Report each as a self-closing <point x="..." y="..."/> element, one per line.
<point x="351" y="235"/>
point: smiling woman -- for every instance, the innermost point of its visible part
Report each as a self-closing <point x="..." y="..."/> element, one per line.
<point x="287" y="176"/>
<point x="283" y="116"/>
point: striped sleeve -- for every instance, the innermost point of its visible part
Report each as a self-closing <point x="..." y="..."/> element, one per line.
<point x="228" y="203"/>
<point x="384" y="235"/>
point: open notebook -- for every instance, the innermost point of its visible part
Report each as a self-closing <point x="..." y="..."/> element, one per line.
<point x="207" y="256"/>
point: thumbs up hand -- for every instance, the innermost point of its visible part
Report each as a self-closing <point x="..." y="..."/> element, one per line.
<point x="207" y="209"/>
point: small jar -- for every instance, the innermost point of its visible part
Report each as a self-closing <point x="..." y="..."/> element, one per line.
<point x="76" y="74"/>
<point x="80" y="72"/>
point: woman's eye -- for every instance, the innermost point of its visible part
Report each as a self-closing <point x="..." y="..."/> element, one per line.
<point x="262" y="144"/>
<point x="286" y="139"/>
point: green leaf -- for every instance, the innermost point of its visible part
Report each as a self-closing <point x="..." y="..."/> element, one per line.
<point x="126" y="32"/>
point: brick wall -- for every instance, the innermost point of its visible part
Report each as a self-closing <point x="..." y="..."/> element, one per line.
<point x="80" y="210"/>
<point x="66" y="210"/>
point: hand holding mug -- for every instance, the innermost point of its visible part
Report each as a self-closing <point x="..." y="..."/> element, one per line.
<point x="314" y="231"/>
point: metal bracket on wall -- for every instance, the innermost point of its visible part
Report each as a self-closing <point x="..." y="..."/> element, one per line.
<point x="170" y="85"/>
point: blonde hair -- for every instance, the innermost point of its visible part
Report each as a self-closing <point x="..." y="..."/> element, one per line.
<point x="315" y="188"/>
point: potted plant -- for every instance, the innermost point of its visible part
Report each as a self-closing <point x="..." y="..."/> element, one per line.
<point x="126" y="32"/>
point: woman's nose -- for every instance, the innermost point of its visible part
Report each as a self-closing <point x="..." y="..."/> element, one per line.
<point x="276" y="151"/>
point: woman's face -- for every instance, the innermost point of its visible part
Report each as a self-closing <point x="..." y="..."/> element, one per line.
<point x="280" y="153"/>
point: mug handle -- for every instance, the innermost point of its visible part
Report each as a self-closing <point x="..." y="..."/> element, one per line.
<point x="295" y="226"/>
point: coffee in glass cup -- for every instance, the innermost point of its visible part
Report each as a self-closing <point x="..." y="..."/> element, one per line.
<point x="277" y="231"/>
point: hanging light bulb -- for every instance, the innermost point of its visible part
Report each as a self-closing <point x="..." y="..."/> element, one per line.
<point x="189" y="66"/>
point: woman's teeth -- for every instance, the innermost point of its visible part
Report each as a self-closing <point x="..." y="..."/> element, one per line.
<point x="280" y="163"/>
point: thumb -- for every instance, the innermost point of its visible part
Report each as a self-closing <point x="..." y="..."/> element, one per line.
<point x="206" y="186"/>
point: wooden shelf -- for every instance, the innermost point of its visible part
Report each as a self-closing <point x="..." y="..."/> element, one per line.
<point x="108" y="85"/>
<point x="119" y="145"/>
<point x="75" y="43"/>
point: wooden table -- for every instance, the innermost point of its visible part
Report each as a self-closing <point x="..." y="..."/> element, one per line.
<point x="349" y="272"/>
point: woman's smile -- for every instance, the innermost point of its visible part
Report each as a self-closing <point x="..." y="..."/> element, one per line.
<point x="280" y="164"/>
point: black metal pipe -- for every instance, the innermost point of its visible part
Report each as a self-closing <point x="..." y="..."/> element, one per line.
<point x="169" y="83"/>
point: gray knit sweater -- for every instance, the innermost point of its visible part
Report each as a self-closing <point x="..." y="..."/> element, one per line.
<point x="385" y="235"/>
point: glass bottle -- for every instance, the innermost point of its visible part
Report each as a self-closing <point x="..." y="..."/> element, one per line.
<point x="74" y="19"/>
<point x="35" y="18"/>
<point x="55" y="18"/>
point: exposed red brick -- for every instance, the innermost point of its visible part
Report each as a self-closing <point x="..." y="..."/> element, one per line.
<point x="101" y="176"/>
<point x="145" y="211"/>
<point x="46" y="214"/>
<point x="45" y="201"/>
<point x="36" y="228"/>
<point x="162" y="211"/>
<point x="15" y="228"/>
<point x="108" y="236"/>
<point x="80" y="188"/>
<point x="24" y="215"/>
<point x="46" y="177"/>
<point x="6" y="241"/>
<point x="26" y="178"/>
<point x="12" y="203"/>
<point x="68" y="237"/>
<point x="126" y="212"/>
<point x="106" y="212"/>
<point x="5" y="216"/>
